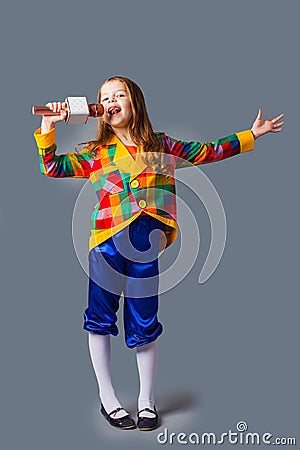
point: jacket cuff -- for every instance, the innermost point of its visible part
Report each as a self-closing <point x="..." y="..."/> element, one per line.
<point x="246" y="139"/>
<point x="45" y="140"/>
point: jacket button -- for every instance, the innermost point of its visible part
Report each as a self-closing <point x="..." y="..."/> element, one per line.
<point x="134" y="183"/>
<point x="142" y="204"/>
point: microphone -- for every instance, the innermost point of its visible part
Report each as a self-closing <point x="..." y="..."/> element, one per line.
<point x="77" y="108"/>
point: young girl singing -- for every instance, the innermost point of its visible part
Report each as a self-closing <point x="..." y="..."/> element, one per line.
<point x="132" y="170"/>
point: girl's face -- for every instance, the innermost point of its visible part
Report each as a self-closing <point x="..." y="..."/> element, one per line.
<point x="117" y="106"/>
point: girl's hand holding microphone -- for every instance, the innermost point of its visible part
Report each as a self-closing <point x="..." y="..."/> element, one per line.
<point x="74" y="110"/>
<point x="48" y="122"/>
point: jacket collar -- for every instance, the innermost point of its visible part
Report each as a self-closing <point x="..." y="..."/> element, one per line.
<point x="124" y="161"/>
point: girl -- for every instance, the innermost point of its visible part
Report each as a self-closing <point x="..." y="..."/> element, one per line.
<point x="132" y="169"/>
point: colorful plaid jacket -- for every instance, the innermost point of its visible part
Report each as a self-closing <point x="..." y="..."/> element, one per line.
<point x="126" y="186"/>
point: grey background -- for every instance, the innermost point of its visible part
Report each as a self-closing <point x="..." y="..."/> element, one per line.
<point x="230" y="349"/>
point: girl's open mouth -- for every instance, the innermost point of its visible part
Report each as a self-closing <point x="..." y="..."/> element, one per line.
<point x="114" y="110"/>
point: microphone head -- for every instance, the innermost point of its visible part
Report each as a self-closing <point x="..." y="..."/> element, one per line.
<point x="96" y="109"/>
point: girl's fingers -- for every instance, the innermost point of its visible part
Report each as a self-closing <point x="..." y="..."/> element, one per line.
<point x="275" y="119"/>
<point x="51" y="105"/>
<point x="64" y="108"/>
<point x="278" y="124"/>
<point x="259" y="115"/>
<point x="57" y="107"/>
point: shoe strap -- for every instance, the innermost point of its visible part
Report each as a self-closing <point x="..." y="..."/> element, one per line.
<point x="149" y="410"/>
<point x="117" y="410"/>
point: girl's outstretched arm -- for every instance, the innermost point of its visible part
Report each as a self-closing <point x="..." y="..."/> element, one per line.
<point x="207" y="152"/>
<point x="195" y="153"/>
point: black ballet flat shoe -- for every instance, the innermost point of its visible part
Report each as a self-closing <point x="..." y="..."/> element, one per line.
<point x="147" y="423"/>
<point x="124" y="423"/>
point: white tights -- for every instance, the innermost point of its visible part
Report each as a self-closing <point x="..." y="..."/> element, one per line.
<point x="147" y="359"/>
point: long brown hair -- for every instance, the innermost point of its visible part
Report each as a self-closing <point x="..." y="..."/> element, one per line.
<point x="140" y="127"/>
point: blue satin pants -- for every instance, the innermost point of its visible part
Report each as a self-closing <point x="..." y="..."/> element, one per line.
<point x="127" y="262"/>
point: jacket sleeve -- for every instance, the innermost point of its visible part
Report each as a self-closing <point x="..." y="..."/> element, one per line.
<point x="201" y="153"/>
<point x="73" y="164"/>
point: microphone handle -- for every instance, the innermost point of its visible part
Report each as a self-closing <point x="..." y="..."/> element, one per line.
<point x="95" y="110"/>
<point x="43" y="111"/>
